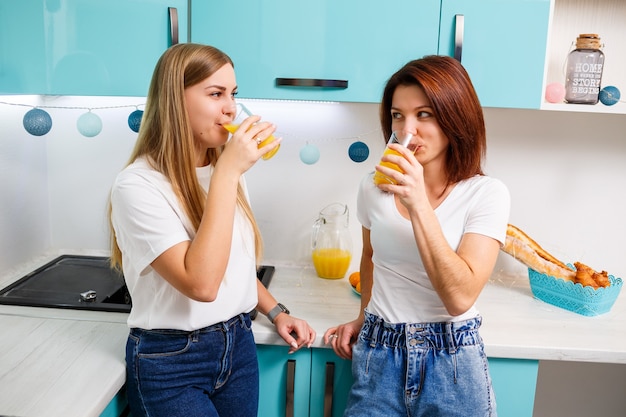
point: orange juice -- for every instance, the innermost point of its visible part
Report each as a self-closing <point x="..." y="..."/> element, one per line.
<point x="232" y="128"/>
<point x="331" y="262"/>
<point x="383" y="179"/>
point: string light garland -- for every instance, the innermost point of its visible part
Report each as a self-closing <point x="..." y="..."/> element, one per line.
<point x="38" y="122"/>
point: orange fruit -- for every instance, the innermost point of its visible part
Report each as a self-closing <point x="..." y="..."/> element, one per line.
<point x="354" y="278"/>
<point x="358" y="287"/>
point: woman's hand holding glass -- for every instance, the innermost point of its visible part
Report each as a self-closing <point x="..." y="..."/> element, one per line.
<point x="392" y="173"/>
<point x="263" y="138"/>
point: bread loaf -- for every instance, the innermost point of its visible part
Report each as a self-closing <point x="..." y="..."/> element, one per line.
<point x="520" y="246"/>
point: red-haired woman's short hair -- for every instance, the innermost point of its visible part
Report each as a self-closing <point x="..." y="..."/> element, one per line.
<point x="455" y="105"/>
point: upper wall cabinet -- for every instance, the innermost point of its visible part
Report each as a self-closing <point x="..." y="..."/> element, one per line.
<point x="345" y="51"/>
<point x="86" y="47"/>
<point x="322" y="50"/>
<point x="502" y="44"/>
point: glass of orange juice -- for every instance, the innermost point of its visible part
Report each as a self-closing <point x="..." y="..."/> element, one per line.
<point x="396" y="137"/>
<point x="242" y="114"/>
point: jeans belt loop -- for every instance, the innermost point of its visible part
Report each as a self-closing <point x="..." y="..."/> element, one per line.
<point x="450" y="338"/>
<point x="375" y="333"/>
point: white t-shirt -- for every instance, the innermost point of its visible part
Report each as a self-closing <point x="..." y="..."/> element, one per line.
<point x="402" y="291"/>
<point x="148" y="219"/>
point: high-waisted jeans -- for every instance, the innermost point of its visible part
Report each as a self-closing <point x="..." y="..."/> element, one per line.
<point x="208" y="372"/>
<point x="420" y="369"/>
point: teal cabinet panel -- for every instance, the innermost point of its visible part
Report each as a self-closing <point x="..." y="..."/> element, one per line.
<point x="118" y="406"/>
<point x="331" y="379"/>
<point x="514" y="383"/>
<point x="362" y="42"/>
<point x="504" y="48"/>
<point x="273" y="370"/>
<point x="22" y="46"/>
<point x="83" y="47"/>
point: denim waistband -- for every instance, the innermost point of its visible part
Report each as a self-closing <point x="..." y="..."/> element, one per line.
<point x="438" y="335"/>
<point x="243" y="318"/>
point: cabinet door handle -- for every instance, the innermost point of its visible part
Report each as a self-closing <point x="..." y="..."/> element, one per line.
<point x="459" y="29"/>
<point x="173" y="24"/>
<point x="311" y="82"/>
<point x="329" y="387"/>
<point x="291" y="380"/>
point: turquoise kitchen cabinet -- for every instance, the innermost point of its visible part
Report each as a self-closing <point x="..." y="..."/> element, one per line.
<point x="503" y="47"/>
<point x="345" y="51"/>
<point x="316" y="383"/>
<point x="331" y="379"/>
<point x="284" y="381"/>
<point x="302" y="384"/>
<point x="84" y="47"/>
<point x="323" y="50"/>
<point x="514" y="383"/>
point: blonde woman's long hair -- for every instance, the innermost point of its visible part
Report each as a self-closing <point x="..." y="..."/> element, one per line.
<point x="166" y="139"/>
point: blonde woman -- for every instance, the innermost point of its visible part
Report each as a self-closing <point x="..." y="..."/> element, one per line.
<point x="185" y="237"/>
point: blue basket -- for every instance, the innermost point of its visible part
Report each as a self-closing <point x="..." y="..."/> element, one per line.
<point x="574" y="297"/>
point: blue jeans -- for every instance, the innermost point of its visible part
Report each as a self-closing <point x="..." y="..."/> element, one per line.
<point x="207" y="372"/>
<point x="429" y="369"/>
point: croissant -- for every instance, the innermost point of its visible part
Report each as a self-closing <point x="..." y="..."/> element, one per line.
<point x="584" y="275"/>
<point x="602" y="279"/>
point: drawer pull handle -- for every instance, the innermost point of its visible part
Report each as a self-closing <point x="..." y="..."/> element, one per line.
<point x="311" y="82"/>
<point x="329" y="387"/>
<point x="291" y="380"/>
<point x="173" y="24"/>
<point x="459" y="29"/>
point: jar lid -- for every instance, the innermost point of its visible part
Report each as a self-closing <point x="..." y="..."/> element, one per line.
<point x="588" y="41"/>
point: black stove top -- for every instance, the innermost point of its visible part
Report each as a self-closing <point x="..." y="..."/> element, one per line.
<point x="83" y="283"/>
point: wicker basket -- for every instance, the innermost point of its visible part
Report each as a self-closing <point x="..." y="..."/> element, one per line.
<point x="574" y="297"/>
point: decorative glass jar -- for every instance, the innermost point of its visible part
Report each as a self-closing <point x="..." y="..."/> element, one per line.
<point x="584" y="70"/>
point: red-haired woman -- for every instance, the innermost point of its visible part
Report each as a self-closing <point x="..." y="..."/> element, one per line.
<point x="430" y="243"/>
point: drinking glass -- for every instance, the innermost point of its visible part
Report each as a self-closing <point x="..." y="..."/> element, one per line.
<point x="242" y="114"/>
<point x="396" y="137"/>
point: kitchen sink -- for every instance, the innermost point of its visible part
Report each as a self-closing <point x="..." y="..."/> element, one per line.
<point x="82" y="283"/>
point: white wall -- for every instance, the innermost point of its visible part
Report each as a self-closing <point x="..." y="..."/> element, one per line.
<point x="24" y="211"/>
<point x="565" y="172"/>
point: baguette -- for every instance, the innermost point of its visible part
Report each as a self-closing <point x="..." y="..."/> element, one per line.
<point x="521" y="247"/>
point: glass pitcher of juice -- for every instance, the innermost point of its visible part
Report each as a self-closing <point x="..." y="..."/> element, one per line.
<point x="331" y="242"/>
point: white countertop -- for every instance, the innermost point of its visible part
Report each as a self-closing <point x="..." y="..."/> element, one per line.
<point x="68" y="363"/>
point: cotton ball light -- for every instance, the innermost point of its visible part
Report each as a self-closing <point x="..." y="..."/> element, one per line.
<point x="609" y="95"/>
<point x="358" y="151"/>
<point x="555" y="93"/>
<point x="37" y="122"/>
<point x="134" y="120"/>
<point x="89" y="124"/>
<point x="309" y="154"/>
